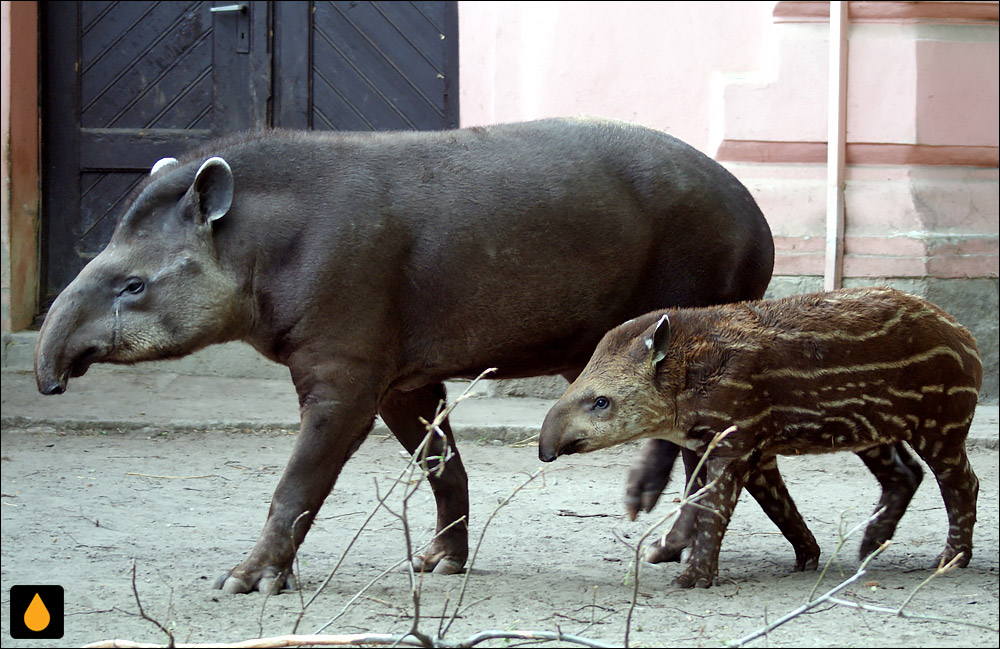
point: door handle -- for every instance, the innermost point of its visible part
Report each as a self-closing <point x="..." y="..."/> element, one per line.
<point x="238" y="8"/>
<point x="242" y="24"/>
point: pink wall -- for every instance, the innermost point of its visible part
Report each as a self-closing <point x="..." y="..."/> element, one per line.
<point x="746" y="82"/>
<point x="20" y="141"/>
<point x="648" y="62"/>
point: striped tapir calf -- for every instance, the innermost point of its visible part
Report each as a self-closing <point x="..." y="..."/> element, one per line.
<point x="860" y="370"/>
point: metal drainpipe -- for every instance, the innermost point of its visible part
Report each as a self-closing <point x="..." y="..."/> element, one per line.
<point x="836" y="144"/>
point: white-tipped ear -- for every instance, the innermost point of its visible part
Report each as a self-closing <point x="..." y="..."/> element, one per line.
<point x="659" y="340"/>
<point x="162" y="164"/>
<point x="213" y="185"/>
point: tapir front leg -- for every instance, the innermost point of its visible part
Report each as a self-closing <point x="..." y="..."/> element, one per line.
<point x="672" y="544"/>
<point x="337" y="412"/>
<point x="402" y="411"/>
<point x="766" y="486"/>
<point x="648" y="475"/>
<point x="727" y="477"/>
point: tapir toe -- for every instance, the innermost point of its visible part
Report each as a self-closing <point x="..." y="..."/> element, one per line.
<point x="270" y="581"/>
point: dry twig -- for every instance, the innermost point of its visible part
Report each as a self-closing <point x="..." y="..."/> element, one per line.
<point x="687" y="499"/>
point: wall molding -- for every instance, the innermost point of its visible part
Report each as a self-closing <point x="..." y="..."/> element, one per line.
<point x="895" y="12"/>
<point x="859" y="153"/>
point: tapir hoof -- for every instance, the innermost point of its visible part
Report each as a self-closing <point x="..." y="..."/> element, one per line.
<point x="694" y="579"/>
<point x="666" y="553"/>
<point x="442" y="566"/>
<point x="949" y="555"/>
<point x="807" y="557"/>
<point x="270" y="581"/>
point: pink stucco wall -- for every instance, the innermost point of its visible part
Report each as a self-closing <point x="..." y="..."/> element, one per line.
<point x="655" y="63"/>
<point x="20" y="138"/>
<point x="746" y="82"/>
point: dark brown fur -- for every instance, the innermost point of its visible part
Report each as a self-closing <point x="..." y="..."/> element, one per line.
<point x="861" y="370"/>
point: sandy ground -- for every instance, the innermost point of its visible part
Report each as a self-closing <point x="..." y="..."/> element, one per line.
<point x="80" y="509"/>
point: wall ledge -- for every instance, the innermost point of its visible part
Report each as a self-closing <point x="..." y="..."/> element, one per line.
<point x="895" y="12"/>
<point x="859" y="153"/>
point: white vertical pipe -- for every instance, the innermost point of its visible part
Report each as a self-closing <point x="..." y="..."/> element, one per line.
<point x="836" y="144"/>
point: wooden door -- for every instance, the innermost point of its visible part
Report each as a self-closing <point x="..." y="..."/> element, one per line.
<point x="125" y="84"/>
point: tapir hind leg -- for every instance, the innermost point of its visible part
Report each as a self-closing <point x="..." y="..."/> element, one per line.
<point x="899" y="475"/>
<point x="401" y="411"/>
<point x="959" y="485"/>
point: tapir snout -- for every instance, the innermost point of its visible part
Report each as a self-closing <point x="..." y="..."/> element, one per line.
<point x="556" y="438"/>
<point x="70" y="340"/>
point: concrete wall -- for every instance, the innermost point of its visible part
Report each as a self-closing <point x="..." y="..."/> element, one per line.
<point x="745" y="82"/>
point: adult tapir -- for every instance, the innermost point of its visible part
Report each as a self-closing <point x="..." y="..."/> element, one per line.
<point x="377" y="265"/>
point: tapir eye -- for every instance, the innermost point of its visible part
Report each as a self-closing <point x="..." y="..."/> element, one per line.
<point x="133" y="285"/>
<point x="602" y="403"/>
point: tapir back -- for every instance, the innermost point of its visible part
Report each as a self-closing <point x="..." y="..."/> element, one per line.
<point x="514" y="246"/>
<point x="845" y="370"/>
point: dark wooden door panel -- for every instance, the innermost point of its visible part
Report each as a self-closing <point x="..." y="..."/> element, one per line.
<point x="154" y="74"/>
<point x="384" y="65"/>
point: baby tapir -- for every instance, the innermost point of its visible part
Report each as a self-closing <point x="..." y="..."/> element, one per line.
<point x="858" y="370"/>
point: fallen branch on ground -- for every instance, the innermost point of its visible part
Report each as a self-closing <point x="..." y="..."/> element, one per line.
<point x="362" y="639"/>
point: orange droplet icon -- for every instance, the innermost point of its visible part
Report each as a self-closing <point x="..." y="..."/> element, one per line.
<point x="37" y="617"/>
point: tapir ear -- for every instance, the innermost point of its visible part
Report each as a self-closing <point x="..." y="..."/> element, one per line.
<point x="162" y="164"/>
<point x="658" y="340"/>
<point x="213" y="189"/>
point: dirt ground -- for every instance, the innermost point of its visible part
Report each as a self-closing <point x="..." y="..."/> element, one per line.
<point x="80" y="508"/>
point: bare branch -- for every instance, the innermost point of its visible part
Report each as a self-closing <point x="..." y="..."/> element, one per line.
<point x="142" y="612"/>
<point x="942" y="569"/>
<point x="687" y="499"/>
<point x="812" y="603"/>
<point x="479" y="543"/>
<point x="843" y="539"/>
<point x="357" y="639"/>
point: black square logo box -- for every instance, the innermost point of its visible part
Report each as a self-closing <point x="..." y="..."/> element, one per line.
<point x="36" y="612"/>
